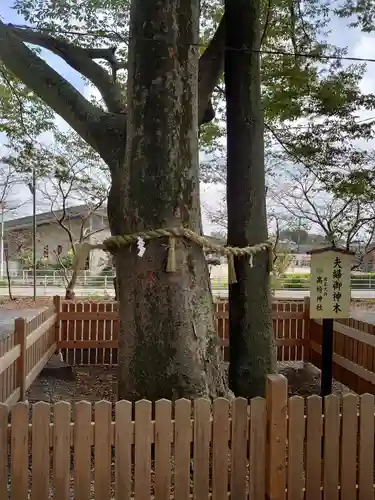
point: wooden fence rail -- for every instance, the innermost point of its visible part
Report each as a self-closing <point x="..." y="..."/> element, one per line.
<point x="89" y="335"/>
<point x="24" y="353"/>
<point x="89" y="331"/>
<point x="354" y="353"/>
<point x="275" y="448"/>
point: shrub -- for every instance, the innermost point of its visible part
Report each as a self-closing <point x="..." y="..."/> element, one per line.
<point x="296" y="284"/>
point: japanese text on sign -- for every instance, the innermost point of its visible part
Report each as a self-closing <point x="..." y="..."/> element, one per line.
<point x="330" y="284"/>
<point x="337" y="285"/>
<point x="319" y="289"/>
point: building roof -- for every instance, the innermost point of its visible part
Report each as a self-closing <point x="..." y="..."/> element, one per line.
<point x="306" y="249"/>
<point x="331" y="249"/>
<point x="301" y="249"/>
<point x="73" y="213"/>
<point x="48" y="217"/>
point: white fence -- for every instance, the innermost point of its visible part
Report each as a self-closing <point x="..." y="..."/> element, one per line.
<point x="105" y="282"/>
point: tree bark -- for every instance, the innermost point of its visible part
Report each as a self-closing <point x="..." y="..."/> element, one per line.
<point x="168" y="343"/>
<point x="252" y="353"/>
<point x="69" y="292"/>
<point x="8" y="277"/>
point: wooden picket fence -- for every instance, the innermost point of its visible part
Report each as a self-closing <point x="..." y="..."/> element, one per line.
<point x="354" y="352"/>
<point x="87" y="333"/>
<point x="24" y="353"/>
<point x="89" y="330"/>
<point x="275" y="448"/>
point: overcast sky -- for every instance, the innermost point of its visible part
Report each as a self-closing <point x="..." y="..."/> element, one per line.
<point x="359" y="44"/>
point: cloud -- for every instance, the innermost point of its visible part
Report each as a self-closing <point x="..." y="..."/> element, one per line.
<point x="364" y="49"/>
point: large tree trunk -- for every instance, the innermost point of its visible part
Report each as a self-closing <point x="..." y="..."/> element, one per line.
<point x="168" y="344"/>
<point x="252" y="354"/>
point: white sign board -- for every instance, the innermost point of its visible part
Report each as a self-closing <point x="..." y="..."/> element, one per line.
<point x="330" y="285"/>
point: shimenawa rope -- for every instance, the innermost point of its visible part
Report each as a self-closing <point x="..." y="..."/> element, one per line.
<point x="114" y="243"/>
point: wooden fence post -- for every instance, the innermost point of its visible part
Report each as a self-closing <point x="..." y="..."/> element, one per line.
<point x="277" y="400"/>
<point x="307" y="350"/>
<point x="20" y="334"/>
<point x="57" y="304"/>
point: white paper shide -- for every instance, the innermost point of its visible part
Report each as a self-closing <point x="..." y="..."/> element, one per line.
<point x="141" y="245"/>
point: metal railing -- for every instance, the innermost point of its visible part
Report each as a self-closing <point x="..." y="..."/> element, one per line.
<point x="105" y="282"/>
<point x="83" y="281"/>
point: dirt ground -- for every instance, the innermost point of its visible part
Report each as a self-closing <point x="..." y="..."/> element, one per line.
<point x="304" y="380"/>
<point x="92" y="383"/>
<point x="28" y="302"/>
<point x="95" y="383"/>
<point x="25" y="303"/>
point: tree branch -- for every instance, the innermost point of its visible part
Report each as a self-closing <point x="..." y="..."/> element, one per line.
<point x="86" y="119"/>
<point x="52" y="88"/>
<point x="61" y="264"/>
<point x="62" y="219"/>
<point x="277" y="238"/>
<point x="82" y="61"/>
<point x="305" y="192"/>
<point x="266" y="22"/>
<point x="211" y="66"/>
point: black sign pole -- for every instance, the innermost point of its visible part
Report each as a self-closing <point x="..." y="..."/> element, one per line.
<point x="327" y="357"/>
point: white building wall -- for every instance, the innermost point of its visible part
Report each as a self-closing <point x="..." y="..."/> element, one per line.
<point x="50" y="236"/>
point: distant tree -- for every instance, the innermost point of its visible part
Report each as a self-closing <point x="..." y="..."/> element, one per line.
<point x="10" y="204"/>
<point x="344" y="220"/>
<point x="70" y="173"/>
<point x="17" y="249"/>
<point x="298" y="236"/>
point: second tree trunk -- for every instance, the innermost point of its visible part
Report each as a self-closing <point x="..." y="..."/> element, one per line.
<point x="252" y="353"/>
